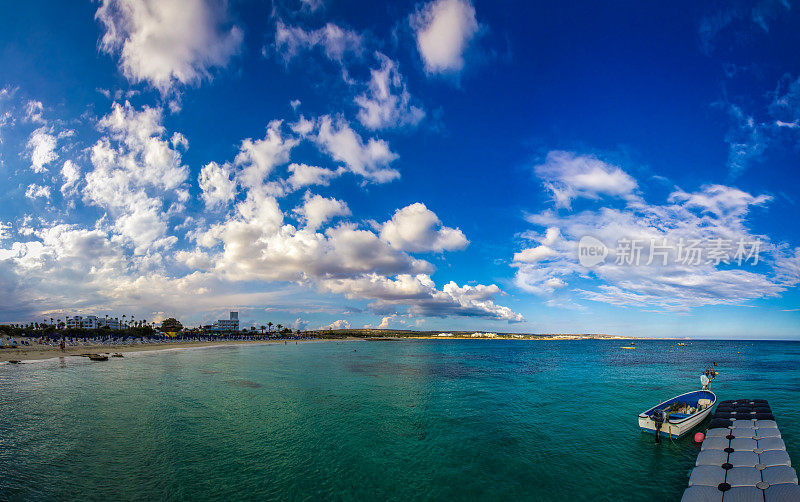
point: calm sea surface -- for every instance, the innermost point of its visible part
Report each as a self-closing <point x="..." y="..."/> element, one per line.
<point x="410" y="420"/>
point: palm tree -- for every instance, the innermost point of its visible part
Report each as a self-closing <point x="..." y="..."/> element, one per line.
<point x="51" y="320"/>
<point x="278" y="327"/>
<point x="269" y="326"/>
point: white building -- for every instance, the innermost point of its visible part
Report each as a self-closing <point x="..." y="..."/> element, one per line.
<point x="88" y="322"/>
<point x="231" y="324"/>
<point x="92" y="322"/>
<point x="111" y="322"/>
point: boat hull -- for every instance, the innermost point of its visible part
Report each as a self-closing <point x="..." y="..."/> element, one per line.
<point x="676" y="428"/>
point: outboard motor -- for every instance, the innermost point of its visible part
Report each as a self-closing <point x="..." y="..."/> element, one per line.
<point x="659" y="417"/>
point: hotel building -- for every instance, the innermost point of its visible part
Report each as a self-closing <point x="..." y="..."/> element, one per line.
<point x="231" y="324"/>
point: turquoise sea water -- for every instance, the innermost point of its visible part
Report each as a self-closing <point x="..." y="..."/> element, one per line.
<point x="409" y="420"/>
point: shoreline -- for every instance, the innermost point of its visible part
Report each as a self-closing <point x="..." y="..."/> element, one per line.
<point x="38" y="353"/>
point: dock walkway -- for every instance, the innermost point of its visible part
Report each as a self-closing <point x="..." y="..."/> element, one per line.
<point x="743" y="458"/>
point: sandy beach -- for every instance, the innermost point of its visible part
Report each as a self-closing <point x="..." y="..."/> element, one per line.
<point x="37" y="351"/>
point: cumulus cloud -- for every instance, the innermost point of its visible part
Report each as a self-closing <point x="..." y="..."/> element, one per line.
<point x="569" y="176"/>
<point x="386" y="320"/>
<point x="303" y="175"/>
<point x="168" y="42"/>
<point x="35" y="191"/>
<point x="136" y="173"/>
<point x="387" y="102"/>
<point x="415" y="228"/>
<point x="420" y="292"/>
<point x="257" y="158"/>
<point x="42" y="148"/>
<point x="661" y="279"/>
<point x="71" y="173"/>
<point x="88" y="269"/>
<point x="444" y="30"/>
<point x="216" y="184"/>
<point x="255" y="242"/>
<point x="137" y="178"/>
<point x="343" y="144"/>
<point x="338" y="324"/>
<point x="317" y="210"/>
<point x="336" y="42"/>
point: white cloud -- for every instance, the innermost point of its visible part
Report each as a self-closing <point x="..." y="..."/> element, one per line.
<point x="136" y="172"/>
<point x="532" y="255"/>
<point x="338" y="324"/>
<point x="569" y="176"/>
<point x="258" y="158"/>
<point x="136" y="177"/>
<point x="541" y="252"/>
<point x="303" y="127"/>
<point x="420" y="292"/>
<point x="416" y="228"/>
<point x="142" y="146"/>
<point x="304" y="175"/>
<point x="386" y="320"/>
<point x="216" y="184"/>
<point x="317" y="210"/>
<point x="336" y="42"/>
<point x="370" y="159"/>
<point x="33" y="112"/>
<point x="196" y="259"/>
<point x="387" y="102"/>
<point x="35" y="191"/>
<point x="444" y="30"/>
<point x="257" y="244"/>
<point x="720" y="200"/>
<point x="71" y="174"/>
<point x="42" y="146"/>
<point x="712" y="213"/>
<point x="168" y="42"/>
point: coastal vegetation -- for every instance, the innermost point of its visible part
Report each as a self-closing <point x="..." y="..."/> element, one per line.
<point x="374" y="333"/>
<point x="171" y="327"/>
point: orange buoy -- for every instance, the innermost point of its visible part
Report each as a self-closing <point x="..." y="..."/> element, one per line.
<point x="699" y="437"/>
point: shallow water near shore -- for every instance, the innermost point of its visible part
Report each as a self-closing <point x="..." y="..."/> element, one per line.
<point x="407" y="420"/>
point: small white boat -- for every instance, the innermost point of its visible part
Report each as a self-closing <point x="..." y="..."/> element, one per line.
<point x="675" y="417"/>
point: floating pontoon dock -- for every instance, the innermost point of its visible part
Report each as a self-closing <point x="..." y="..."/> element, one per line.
<point x="743" y="458"/>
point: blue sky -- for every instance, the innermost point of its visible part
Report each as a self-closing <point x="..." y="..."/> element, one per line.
<point x="429" y="165"/>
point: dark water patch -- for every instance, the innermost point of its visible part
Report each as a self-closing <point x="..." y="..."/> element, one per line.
<point x="244" y="383"/>
<point x="383" y="368"/>
<point x="209" y="372"/>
